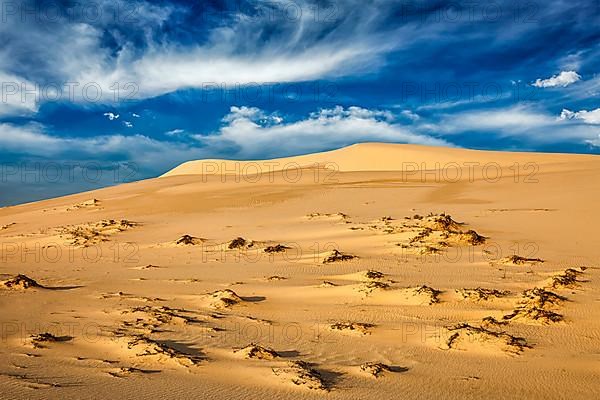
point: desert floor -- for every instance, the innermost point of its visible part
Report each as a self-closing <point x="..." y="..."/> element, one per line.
<point x="375" y="271"/>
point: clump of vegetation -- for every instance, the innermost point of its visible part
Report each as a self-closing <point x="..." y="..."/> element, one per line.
<point x="21" y="282"/>
<point x="430" y="292"/>
<point x="336" y="255"/>
<point x="279" y="248"/>
<point x="237" y="243"/>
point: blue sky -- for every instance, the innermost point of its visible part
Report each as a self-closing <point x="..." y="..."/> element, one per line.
<point x="131" y="89"/>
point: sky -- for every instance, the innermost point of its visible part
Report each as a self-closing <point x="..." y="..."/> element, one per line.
<point x="103" y="92"/>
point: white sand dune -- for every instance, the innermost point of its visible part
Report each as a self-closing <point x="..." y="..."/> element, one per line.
<point x="376" y="157"/>
<point x="469" y="274"/>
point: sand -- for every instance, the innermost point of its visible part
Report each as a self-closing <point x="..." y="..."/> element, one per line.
<point x="373" y="271"/>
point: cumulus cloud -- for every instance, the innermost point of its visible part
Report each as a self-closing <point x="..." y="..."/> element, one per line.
<point x="111" y="116"/>
<point x="252" y="133"/>
<point x="588" y="117"/>
<point x="564" y="79"/>
<point x="246" y="133"/>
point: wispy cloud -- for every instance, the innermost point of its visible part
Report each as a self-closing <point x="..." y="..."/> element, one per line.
<point x="33" y="142"/>
<point x="526" y="122"/>
<point x="242" y="49"/>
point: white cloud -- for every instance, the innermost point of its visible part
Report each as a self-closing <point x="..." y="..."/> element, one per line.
<point x="564" y="79"/>
<point x="253" y="133"/>
<point x="515" y="119"/>
<point x="410" y="115"/>
<point x="234" y="52"/>
<point x="589" y="117"/>
<point x="32" y="141"/>
<point x="249" y="133"/>
<point x="174" y="132"/>
<point x="246" y="133"/>
<point x="465" y="101"/>
<point x="111" y="116"/>
<point x="16" y="98"/>
<point x="352" y="112"/>
<point x="128" y="124"/>
<point x="134" y="115"/>
<point x="523" y="121"/>
<point x="253" y="114"/>
<point x="594" y="142"/>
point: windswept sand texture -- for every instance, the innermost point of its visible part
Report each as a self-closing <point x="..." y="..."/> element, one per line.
<point x="359" y="275"/>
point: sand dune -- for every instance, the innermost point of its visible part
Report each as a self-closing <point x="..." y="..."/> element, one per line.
<point x="372" y="157"/>
<point x="373" y="271"/>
